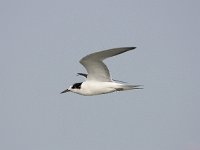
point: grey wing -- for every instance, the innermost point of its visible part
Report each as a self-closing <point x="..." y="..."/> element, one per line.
<point x="97" y="71"/>
<point x="95" y="67"/>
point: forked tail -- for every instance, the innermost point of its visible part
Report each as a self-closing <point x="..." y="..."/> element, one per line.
<point x="128" y="87"/>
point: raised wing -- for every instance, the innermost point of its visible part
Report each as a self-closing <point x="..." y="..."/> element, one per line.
<point x="95" y="67"/>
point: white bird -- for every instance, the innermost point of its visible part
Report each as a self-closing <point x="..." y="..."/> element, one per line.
<point x="98" y="80"/>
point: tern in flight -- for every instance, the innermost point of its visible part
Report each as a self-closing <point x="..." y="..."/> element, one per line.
<point x="98" y="80"/>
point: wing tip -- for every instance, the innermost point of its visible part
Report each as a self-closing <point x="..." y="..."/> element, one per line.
<point x="133" y="47"/>
<point x="127" y="48"/>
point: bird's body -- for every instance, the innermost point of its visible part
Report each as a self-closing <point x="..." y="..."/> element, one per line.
<point x="98" y="80"/>
<point x="89" y="88"/>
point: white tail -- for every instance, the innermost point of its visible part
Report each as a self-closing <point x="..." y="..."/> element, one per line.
<point x="128" y="87"/>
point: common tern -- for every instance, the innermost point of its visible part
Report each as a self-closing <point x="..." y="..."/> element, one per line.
<point x="98" y="80"/>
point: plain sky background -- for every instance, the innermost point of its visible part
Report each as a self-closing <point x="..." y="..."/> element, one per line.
<point x="41" y="43"/>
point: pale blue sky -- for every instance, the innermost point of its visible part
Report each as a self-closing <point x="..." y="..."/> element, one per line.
<point x="41" y="44"/>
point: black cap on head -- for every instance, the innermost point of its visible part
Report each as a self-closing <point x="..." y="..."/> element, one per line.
<point x="77" y="85"/>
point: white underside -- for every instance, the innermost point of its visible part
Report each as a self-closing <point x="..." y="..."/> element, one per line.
<point x="89" y="88"/>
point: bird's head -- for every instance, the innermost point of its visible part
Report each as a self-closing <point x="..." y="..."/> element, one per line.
<point x="73" y="88"/>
